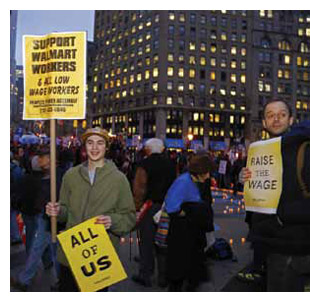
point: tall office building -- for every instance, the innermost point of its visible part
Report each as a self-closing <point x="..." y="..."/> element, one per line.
<point x="206" y="73"/>
<point x="13" y="91"/>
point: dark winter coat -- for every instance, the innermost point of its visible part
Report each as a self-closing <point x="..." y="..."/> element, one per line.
<point x="288" y="232"/>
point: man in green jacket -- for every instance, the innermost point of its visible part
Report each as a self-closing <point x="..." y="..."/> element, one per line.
<point x="94" y="188"/>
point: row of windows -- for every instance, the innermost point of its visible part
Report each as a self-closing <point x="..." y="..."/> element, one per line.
<point x="303" y="105"/>
<point x="181" y="87"/>
<point x="202" y="18"/>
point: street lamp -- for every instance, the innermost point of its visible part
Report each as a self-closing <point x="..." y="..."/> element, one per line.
<point x="189" y="140"/>
<point x="190" y="137"/>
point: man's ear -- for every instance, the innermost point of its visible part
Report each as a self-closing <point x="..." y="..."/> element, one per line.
<point x="291" y="120"/>
<point x="264" y="124"/>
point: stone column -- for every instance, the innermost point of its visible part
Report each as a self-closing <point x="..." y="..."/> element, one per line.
<point x="141" y="124"/>
<point x="161" y="124"/>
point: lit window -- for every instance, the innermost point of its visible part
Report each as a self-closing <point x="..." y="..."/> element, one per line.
<point x="171" y="16"/>
<point x="203" y="46"/>
<point x="233" y="78"/>
<point x="155" y="59"/>
<point x="216" y="118"/>
<point x="169" y="100"/>
<point x="243" y="78"/>
<point x="191" y="86"/>
<point x="243" y="65"/>
<point x="155" y="86"/>
<point x="181" y="87"/>
<point x="232" y="106"/>
<point x="213" y="48"/>
<point x="147" y="48"/>
<point x="170" y="71"/>
<point x="222" y="105"/>
<point x="181" y="58"/>
<point x="211" y="117"/>
<point x="287" y="59"/>
<point x="192" y="46"/>
<point x="213" y="62"/>
<point x="202" y="61"/>
<point x="139" y="77"/>
<point x="169" y="85"/>
<point x="170" y="57"/>
<point x="212" y="75"/>
<point x="267" y="87"/>
<point x="155" y="72"/>
<point x="182" y="17"/>
<point x="224" y="36"/>
<point x="196" y="116"/>
<point x="233" y="64"/>
<point x="243" y="52"/>
<point x="232" y="119"/>
<point x="298" y="104"/>
<point x="222" y="91"/>
<point x="242" y="120"/>
<point x="280" y="73"/>
<point x="233" y="91"/>
<point x="192" y="60"/>
<point x="308" y="32"/>
<point x="181" y="72"/>
<point x="192" y="73"/>
<point x="154" y="101"/>
<point x="131" y="79"/>
<point x="300" y="32"/>
<point x="147" y="74"/>
<point x="233" y="50"/>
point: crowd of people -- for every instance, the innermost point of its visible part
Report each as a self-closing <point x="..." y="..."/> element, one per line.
<point x="131" y="188"/>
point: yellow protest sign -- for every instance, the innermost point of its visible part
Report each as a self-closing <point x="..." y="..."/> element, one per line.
<point x="91" y="255"/>
<point x="262" y="192"/>
<point x="55" y="76"/>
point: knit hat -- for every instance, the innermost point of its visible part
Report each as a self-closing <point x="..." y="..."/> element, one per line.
<point x="200" y="164"/>
<point x="96" y="131"/>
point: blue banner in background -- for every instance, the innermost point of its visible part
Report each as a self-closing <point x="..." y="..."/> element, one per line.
<point x="214" y="145"/>
<point x="174" y="143"/>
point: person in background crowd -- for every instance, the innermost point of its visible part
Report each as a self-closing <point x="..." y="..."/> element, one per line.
<point x="188" y="203"/>
<point x="111" y="200"/>
<point x="34" y="194"/>
<point x="153" y="178"/>
<point x="16" y="174"/>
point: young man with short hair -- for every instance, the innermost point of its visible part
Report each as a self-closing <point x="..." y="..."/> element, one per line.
<point x="93" y="188"/>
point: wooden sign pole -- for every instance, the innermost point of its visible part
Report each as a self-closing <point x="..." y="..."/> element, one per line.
<point x="53" y="175"/>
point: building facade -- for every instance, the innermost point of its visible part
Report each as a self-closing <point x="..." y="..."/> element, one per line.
<point x="13" y="89"/>
<point x="206" y="73"/>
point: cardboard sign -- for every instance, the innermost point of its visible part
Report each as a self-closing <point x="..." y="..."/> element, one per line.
<point x="222" y="167"/>
<point x="91" y="255"/>
<point x="262" y="192"/>
<point x="55" y="76"/>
